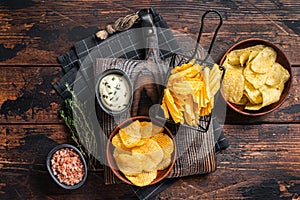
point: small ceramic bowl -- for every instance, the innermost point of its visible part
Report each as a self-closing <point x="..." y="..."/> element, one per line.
<point x="281" y="59"/>
<point x="50" y="170"/>
<point x="161" y="174"/>
<point x="100" y="97"/>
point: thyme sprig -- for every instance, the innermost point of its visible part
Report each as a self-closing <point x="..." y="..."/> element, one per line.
<point x="80" y="127"/>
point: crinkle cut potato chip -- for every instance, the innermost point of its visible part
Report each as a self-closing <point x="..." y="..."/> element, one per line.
<point x="151" y="149"/>
<point x="151" y="152"/>
<point x="142" y="179"/>
<point x="117" y="142"/>
<point x="165" y="142"/>
<point x="131" y="135"/>
<point x="264" y="78"/>
<point x="129" y="164"/>
<point x="190" y="92"/>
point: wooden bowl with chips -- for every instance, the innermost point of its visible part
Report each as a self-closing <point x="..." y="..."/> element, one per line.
<point x="264" y="85"/>
<point x="141" y="151"/>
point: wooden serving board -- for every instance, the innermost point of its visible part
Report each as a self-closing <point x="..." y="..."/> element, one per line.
<point x="195" y="149"/>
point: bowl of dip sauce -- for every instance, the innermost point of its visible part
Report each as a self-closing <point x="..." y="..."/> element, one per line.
<point x="114" y="91"/>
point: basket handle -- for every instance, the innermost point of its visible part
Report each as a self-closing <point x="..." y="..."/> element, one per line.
<point x="201" y="30"/>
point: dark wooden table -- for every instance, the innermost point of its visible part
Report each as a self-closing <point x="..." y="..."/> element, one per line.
<point x="263" y="160"/>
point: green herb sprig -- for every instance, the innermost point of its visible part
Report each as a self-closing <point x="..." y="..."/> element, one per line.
<point x="74" y="109"/>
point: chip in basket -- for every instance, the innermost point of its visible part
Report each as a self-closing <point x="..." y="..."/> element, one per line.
<point x="190" y="91"/>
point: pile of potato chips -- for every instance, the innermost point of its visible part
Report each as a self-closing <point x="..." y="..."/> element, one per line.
<point x="253" y="78"/>
<point x="190" y="92"/>
<point x="141" y="149"/>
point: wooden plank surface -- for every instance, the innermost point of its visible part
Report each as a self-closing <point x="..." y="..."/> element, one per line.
<point x="36" y="32"/>
<point x="263" y="160"/>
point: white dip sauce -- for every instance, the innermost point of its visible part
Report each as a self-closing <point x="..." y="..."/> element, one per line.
<point x="114" y="92"/>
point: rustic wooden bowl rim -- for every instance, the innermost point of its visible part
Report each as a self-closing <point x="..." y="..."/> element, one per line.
<point x="109" y="148"/>
<point x="281" y="58"/>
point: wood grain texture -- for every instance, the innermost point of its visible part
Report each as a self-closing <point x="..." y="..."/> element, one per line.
<point x="27" y="94"/>
<point x="37" y="32"/>
<point x="262" y="161"/>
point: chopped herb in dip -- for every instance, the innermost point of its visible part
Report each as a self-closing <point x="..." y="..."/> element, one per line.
<point x="114" y="89"/>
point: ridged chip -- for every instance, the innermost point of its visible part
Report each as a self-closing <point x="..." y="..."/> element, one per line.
<point x="165" y="142"/>
<point x="142" y="179"/>
<point x="147" y="164"/>
<point x="214" y="80"/>
<point x="131" y="134"/>
<point x="118" y="151"/>
<point x="166" y="161"/>
<point x="148" y="129"/>
<point x="151" y="149"/>
<point x="128" y="164"/>
<point x="117" y="142"/>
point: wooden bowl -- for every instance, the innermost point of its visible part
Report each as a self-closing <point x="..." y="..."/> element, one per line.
<point x="281" y="59"/>
<point x="161" y="174"/>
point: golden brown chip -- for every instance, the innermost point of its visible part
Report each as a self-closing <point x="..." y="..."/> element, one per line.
<point x="142" y="179"/>
<point x="131" y="134"/>
<point x="252" y="55"/>
<point x="117" y="142"/>
<point x="165" y="108"/>
<point x="166" y="161"/>
<point x="118" y="151"/>
<point x="244" y="57"/>
<point x="206" y="78"/>
<point x="128" y="164"/>
<point x="165" y="142"/>
<point x="244" y="100"/>
<point x="151" y="149"/>
<point x="271" y="94"/>
<point x="189" y="114"/>
<point x="147" y="164"/>
<point x="254" y="95"/>
<point x="233" y="58"/>
<point x="174" y="111"/>
<point x="148" y="129"/>
<point x="250" y="106"/>
<point x="264" y="60"/>
<point x="214" y="80"/>
<point x="257" y="80"/>
<point x="277" y="75"/>
<point x="233" y="85"/>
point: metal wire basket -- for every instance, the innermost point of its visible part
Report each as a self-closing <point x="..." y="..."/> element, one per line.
<point x="178" y="59"/>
